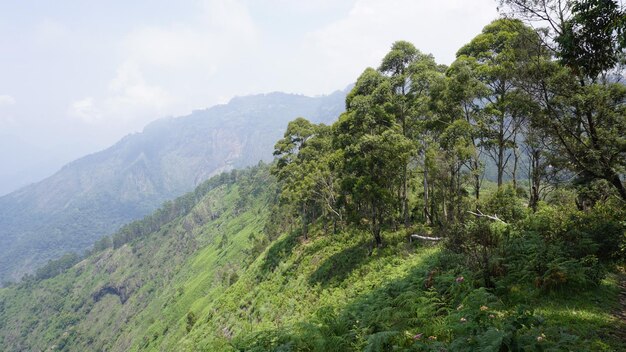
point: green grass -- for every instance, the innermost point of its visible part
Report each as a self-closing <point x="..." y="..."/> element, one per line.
<point x="247" y="292"/>
<point x="587" y="314"/>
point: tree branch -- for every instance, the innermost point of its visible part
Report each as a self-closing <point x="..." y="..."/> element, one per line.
<point x="419" y="237"/>
<point x="481" y="215"/>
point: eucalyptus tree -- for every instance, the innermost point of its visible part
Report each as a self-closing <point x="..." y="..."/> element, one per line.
<point x="585" y="108"/>
<point x="497" y="54"/>
<point x="298" y="157"/>
<point x="373" y="149"/>
<point x="411" y="75"/>
<point x="426" y="78"/>
<point x="396" y="66"/>
<point x="460" y="98"/>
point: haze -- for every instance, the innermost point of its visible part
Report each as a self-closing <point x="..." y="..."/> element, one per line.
<point x="77" y="76"/>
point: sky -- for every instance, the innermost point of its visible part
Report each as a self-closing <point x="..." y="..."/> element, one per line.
<point x="76" y="76"/>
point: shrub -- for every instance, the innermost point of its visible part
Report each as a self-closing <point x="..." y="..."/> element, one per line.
<point x="505" y="204"/>
<point x="559" y="247"/>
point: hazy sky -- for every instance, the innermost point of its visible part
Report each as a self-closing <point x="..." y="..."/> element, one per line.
<point x="77" y="75"/>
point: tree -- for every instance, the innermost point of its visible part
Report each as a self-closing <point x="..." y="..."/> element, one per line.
<point x="426" y="77"/>
<point x="584" y="107"/>
<point x="593" y="38"/>
<point x="374" y="149"/>
<point x="498" y="52"/>
<point x="460" y="98"/>
<point x="396" y="64"/>
<point x="298" y="158"/>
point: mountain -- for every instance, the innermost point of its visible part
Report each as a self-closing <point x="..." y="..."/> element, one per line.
<point x="25" y="163"/>
<point x="220" y="270"/>
<point x="95" y="195"/>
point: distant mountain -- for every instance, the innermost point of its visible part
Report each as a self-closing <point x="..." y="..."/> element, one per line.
<point x="24" y="163"/>
<point x="96" y="194"/>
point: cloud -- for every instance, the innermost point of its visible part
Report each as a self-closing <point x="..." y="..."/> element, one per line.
<point x="130" y="94"/>
<point x="85" y="110"/>
<point x="168" y="69"/>
<point x="6" y="100"/>
<point x="129" y="98"/>
<point x="439" y="27"/>
<point x="223" y="50"/>
<point x="362" y="37"/>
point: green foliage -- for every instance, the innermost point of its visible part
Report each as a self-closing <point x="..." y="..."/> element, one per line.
<point x="191" y="320"/>
<point x="592" y="40"/>
<point x="506" y="204"/>
<point x="247" y="262"/>
<point x="561" y="247"/>
<point x="325" y="294"/>
<point x="56" y="267"/>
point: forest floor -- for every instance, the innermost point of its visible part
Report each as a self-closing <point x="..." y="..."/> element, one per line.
<point x="620" y="313"/>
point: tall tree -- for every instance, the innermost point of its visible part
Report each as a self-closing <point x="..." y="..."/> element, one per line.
<point x="298" y="156"/>
<point x="374" y="149"/>
<point x="396" y="65"/>
<point x="460" y="98"/>
<point x="426" y="77"/>
<point x="497" y="52"/>
<point x="584" y="106"/>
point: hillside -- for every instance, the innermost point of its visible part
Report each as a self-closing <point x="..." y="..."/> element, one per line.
<point x="378" y="232"/>
<point x="95" y="195"/>
<point x="227" y="274"/>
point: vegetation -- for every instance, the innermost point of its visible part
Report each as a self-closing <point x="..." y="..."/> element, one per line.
<point x="381" y="232"/>
<point x="96" y="195"/>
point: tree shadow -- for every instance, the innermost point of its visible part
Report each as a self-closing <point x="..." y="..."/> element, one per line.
<point x="339" y="266"/>
<point x="278" y="251"/>
<point x="329" y="329"/>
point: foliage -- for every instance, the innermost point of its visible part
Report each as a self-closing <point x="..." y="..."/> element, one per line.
<point x="247" y="262"/>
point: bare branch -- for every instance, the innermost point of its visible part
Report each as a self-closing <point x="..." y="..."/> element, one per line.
<point x="481" y="215"/>
<point x="420" y="237"/>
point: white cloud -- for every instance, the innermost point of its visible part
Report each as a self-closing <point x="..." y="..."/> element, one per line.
<point x="6" y="100"/>
<point x="130" y="95"/>
<point x="85" y="110"/>
<point x="168" y="69"/>
<point x="347" y="46"/>
<point x="128" y="98"/>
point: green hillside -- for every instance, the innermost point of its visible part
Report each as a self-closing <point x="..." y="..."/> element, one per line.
<point x="227" y="274"/>
<point x="122" y="297"/>
<point x="97" y="194"/>
<point x="379" y="232"/>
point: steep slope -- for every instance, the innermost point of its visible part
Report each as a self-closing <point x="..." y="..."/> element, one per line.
<point x="95" y="195"/>
<point x="222" y="272"/>
<point x="117" y="297"/>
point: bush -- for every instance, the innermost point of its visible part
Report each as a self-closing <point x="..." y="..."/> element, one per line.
<point x="560" y="247"/>
<point x="480" y="241"/>
<point x="505" y="204"/>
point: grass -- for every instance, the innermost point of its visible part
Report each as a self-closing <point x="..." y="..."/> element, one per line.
<point x="330" y="292"/>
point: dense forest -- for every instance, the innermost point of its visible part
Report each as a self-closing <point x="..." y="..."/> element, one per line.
<point x="382" y="232"/>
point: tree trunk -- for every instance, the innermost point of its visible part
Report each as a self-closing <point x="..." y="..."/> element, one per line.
<point x="376" y="227"/>
<point x="476" y="179"/>
<point x="304" y="222"/>
<point x="427" y="215"/>
<point x="500" y="164"/>
<point x="515" y="161"/>
<point x="405" y="198"/>
<point x="535" y="179"/>
<point x="615" y="180"/>
<point x="378" y="238"/>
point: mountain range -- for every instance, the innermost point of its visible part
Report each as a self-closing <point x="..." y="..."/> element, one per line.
<point x="95" y="195"/>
